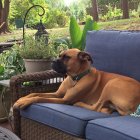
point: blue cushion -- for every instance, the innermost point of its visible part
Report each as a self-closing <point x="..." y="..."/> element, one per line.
<point x="70" y="119"/>
<point x="116" y="128"/>
<point x="115" y="51"/>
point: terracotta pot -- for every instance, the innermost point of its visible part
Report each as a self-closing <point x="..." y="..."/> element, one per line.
<point x="36" y="65"/>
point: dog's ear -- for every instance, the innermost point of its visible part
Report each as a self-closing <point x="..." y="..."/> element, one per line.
<point x="84" y="56"/>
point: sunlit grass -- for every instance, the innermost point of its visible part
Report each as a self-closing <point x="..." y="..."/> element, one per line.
<point x="123" y="24"/>
<point x="18" y="34"/>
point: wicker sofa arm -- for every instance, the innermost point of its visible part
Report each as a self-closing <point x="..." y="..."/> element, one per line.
<point x="24" y="84"/>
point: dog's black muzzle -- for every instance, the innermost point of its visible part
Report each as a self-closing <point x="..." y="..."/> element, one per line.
<point x="59" y="66"/>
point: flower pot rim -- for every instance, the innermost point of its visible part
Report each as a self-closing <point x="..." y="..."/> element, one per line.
<point x="43" y="59"/>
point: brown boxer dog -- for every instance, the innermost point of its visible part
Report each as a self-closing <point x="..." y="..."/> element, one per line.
<point x="88" y="87"/>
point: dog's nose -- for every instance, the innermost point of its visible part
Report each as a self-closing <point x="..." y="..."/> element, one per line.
<point x="59" y="67"/>
<point x="56" y="63"/>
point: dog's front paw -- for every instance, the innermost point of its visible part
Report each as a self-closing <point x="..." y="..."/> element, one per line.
<point x="15" y="106"/>
<point x="80" y="104"/>
<point x="23" y="102"/>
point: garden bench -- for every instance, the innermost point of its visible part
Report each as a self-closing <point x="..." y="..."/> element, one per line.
<point x="5" y="46"/>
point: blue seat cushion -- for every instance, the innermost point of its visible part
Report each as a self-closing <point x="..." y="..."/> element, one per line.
<point x="70" y="119"/>
<point x="115" y="51"/>
<point x="116" y="128"/>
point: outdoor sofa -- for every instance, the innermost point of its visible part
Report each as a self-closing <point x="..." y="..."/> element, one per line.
<point x="112" y="51"/>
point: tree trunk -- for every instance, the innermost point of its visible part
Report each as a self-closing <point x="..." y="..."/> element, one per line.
<point x="125" y="8"/>
<point x="0" y="13"/>
<point x="95" y="10"/>
<point x="4" y="12"/>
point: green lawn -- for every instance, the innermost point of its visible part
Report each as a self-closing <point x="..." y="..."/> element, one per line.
<point x="17" y="34"/>
<point x="125" y="24"/>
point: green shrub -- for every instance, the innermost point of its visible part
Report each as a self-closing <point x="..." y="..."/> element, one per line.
<point x="134" y="14"/>
<point x="11" y="63"/>
<point x="50" y="20"/>
<point x="112" y="14"/>
<point x="61" y="19"/>
<point x="56" y="18"/>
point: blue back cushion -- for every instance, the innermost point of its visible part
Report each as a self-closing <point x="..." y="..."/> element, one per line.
<point x="115" y="51"/>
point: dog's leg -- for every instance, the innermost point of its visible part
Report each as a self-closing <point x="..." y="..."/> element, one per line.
<point x="90" y="107"/>
<point x="107" y="110"/>
<point x="27" y="101"/>
<point x="103" y="102"/>
<point x="59" y="93"/>
<point x="124" y="110"/>
<point x="46" y="95"/>
<point x="97" y="106"/>
<point x="84" y="105"/>
<point x="33" y="96"/>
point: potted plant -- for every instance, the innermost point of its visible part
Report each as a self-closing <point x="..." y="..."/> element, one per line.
<point x="37" y="55"/>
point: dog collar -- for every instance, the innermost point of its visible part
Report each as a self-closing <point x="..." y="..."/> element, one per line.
<point x="79" y="76"/>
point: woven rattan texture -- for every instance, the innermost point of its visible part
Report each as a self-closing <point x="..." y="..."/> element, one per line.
<point x="31" y="130"/>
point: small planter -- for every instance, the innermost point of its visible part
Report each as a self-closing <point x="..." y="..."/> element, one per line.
<point x="36" y="65"/>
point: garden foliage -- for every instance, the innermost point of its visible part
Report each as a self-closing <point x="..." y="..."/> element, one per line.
<point x="11" y="63"/>
<point x="78" y="35"/>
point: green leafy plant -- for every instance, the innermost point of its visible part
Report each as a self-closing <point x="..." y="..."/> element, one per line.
<point x="37" y="49"/>
<point x="63" y="41"/>
<point x="11" y="63"/>
<point x="112" y="14"/>
<point x="55" y="18"/>
<point x="77" y="35"/>
<point x="134" y="13"/>
<point x="61" y="18"/>
<point x="1" y="69"/>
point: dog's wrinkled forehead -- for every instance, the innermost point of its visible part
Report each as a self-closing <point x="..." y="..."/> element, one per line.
<point x="75" y="54"/>
<point x="69" y="53"/>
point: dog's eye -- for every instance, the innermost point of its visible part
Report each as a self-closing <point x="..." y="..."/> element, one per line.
<point x="66" y="58"/>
